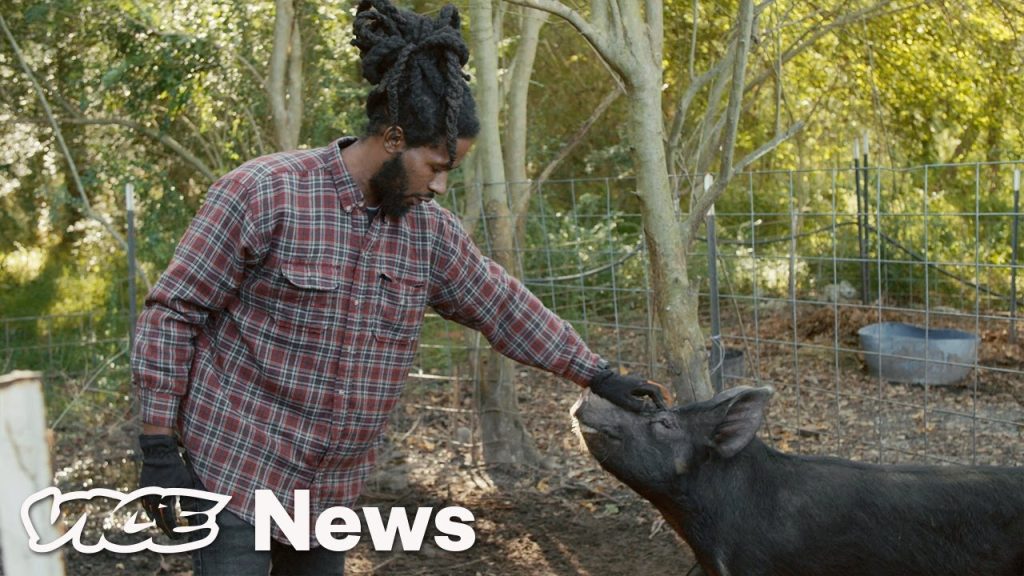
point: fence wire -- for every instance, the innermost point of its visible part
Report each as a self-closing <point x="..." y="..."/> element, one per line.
<point x="802" y="271"/>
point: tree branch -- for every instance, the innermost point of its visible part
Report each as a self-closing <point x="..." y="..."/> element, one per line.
<point x="739" y="70"/>
<point x="595" y="36"/>
<point x="209" y="147"/>
<point x="693" y="41"/>
<point x="819" y="32"/>
<point x="573" y="142"/>
<point x="708" y="132"/>
<point x="276" y="91"/>
<point x="766" y="148"/>
<point x="474" y="192"/>
<point x="516" y="110"/>
<point x="249" y="66"/>
<point x="295" y="100"/>
<point x="744" y="24"/>
<point x="617" y="25"/>
<point x="799" y="47"/>
<point x="704" y="203"/>
<point x="58" y="135"/>
<point x="257" y="132"/>
<point x="164" y="139"/>
<point x="684" y="103"/>
<point x="655" y="13"/>
<point x="599" y="14"/>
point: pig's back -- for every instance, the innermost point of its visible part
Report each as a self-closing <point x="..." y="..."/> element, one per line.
<point x="825" y="516"/>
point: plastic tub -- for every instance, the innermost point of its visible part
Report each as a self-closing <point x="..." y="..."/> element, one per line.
<point x="906" y="353"/>
<point x="733" y="363"/>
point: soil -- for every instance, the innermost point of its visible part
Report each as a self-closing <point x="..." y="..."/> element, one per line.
<point x="567" y="516"/>
<point x="564" y="517"/>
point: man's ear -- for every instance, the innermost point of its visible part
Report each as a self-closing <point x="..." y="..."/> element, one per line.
<point x="394" y="140"/>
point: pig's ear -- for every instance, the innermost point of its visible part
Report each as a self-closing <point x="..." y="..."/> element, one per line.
<point x="741" y="410"/>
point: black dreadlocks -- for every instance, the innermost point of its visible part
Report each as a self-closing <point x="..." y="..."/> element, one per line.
<point x="415" y="65"/>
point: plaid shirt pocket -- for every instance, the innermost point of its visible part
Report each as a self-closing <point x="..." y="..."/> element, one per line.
<point x="401" y="303"/>
<point x="307" y="293"/>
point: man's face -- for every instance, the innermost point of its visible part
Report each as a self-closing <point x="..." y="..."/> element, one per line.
<point x="414" y="175"/>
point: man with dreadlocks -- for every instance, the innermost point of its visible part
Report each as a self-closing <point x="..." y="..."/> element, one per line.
<point x="277" y="341"/>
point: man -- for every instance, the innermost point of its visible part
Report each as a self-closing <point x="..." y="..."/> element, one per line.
<point x="278" y="339"/>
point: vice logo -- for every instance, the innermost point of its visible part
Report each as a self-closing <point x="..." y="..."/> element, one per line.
<point x="337" y="528"/>
<point x="124" y="502"/>
<point x="452" y="522"/>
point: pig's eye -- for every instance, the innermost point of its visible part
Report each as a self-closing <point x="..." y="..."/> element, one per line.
<point x="665" y="423"/>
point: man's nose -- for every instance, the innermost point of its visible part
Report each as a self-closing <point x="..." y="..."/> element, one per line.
<point x="439" y="184"/>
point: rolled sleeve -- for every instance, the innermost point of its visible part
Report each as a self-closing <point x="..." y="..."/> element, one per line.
<point x="158" y="409"/>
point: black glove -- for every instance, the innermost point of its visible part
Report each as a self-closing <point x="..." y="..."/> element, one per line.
<point x="626" y="391"/>
<point x="162" y="466"/>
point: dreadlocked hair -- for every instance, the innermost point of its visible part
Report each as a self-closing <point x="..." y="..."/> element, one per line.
<point x="415" y="64"/>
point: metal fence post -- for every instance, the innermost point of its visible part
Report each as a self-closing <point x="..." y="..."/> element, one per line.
<point x="865" y="273"/>
<point x="129" y="193"/>
<point x="717" y="353"/>
<point x="860" y="224"/>
<point x="1013" y="259"/>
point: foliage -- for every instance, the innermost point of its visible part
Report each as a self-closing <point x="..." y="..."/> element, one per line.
<point x="128" y="81"/>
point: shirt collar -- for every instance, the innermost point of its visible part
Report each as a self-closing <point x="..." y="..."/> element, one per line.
<point x="349" y="193"/>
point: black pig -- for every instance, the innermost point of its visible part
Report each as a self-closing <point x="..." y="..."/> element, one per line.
<point x="748" y="510"/>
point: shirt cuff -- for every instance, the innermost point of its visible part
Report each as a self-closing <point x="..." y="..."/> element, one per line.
<point x="159" y="409"/>
<point x="584" y="367"/>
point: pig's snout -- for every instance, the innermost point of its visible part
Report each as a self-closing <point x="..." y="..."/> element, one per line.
<point x="579" y="428"/>
<point x="586" y="411"/>
<point x="593" y="419"/>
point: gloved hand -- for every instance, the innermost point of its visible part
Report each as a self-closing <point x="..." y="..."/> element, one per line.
<point x="626" y="391"/>
<point x="162" y="466"/>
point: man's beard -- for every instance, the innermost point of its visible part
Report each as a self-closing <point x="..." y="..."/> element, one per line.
<point x="390" y="185"/>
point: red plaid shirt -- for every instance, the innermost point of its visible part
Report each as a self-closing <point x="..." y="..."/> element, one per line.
<point x="279" y="337"/>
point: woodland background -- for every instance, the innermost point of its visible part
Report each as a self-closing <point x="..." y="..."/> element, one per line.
<point x="593" y="150"/>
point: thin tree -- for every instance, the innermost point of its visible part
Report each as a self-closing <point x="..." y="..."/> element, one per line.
<point x="505" y="439"/>
<point x="628" y="35"/>
<point x="499" y="190"/>
<point x="284" y="83"/>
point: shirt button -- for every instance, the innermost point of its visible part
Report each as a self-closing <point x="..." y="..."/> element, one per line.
<point x="358" y="302"/>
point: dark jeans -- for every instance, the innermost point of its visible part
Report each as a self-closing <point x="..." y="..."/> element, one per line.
<point x="233" y="552"/>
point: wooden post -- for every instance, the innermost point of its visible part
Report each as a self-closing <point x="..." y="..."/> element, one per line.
<point x="25" y="456"/>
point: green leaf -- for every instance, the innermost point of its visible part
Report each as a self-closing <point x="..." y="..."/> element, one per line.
<point x="37" y="13"/>
<point x="113" y="76"/>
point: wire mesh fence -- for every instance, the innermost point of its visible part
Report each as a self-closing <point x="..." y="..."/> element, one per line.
<point x="937" y="252"/>
<point x="806" y="260"/>
<point x="804" y="269"/>
<point x="84" y="361"/>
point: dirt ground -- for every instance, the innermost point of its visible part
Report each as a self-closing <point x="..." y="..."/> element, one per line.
<point x="568" y="517"/>
<point x="565" y="517"/>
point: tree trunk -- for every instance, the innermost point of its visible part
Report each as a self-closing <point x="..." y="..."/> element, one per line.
<point x="284" y="83"/>
<point x="505" y="439"/>
<point x="472" y="208"/>
<point x="629" y="39"/>
<point x="676" y="300"/>
<point x="516" y="117"/>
